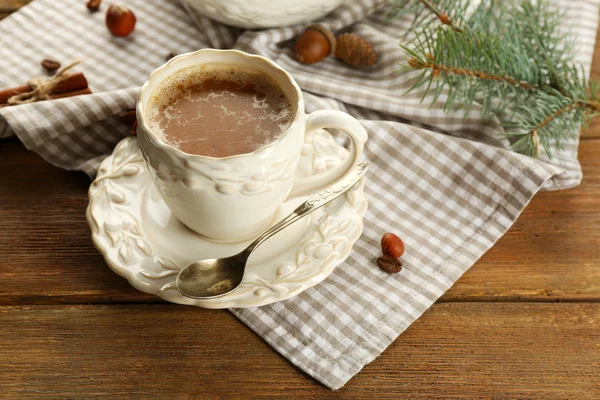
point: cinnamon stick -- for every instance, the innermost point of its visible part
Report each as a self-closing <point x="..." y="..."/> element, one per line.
<point x="70" y="94"/>
<point x="8" y="93"/>
<point x="62" y="95"/>
<point x="128" y="117"/>
<point x="74" y="82"/>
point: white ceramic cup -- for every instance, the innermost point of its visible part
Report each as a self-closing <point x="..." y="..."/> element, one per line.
<point x="233" y="198"/>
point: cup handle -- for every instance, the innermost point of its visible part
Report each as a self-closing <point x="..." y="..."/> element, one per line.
<point x="358" y="136"/>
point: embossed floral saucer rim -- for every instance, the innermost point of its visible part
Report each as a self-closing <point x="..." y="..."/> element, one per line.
<point x="127" y="251"/>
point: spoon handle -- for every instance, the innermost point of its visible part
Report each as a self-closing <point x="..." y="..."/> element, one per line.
<point x="315" y="201"/>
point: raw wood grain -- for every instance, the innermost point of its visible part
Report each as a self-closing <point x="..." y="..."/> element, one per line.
<point x="594" y="129"/>
<point x="7" y="7"/>
<point x="46" y="252"/>
<point x="552" y="252"/>
<point x="162" y="351"/>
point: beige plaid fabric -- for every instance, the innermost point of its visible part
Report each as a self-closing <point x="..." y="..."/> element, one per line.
<point x="449" y="194"/>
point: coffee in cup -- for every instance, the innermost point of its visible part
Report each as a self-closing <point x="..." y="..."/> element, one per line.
<point x="219" y="111"/>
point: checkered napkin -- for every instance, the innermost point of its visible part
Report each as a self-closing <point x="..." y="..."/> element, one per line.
<point x="447" y="185"/>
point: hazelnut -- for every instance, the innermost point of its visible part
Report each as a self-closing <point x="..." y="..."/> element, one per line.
<point x="120" y="20"/>
<point x="392" y="245"/>
<point x="93" y="5"/>
<point x="314" y="44"/>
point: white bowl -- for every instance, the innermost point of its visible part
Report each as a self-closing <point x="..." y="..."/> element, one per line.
<point x="253" y="14"/>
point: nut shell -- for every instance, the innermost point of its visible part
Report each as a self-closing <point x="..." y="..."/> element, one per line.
<point x="170" y="55"/>
<point x="120" y="20"/>
<point x="314" y="44"/>
<point x="328" y="34"/>
<point x="392" y="245"/>
<point x="93" y="5"/>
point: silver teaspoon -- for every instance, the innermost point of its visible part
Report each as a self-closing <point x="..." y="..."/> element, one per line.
<point x="216" y="277"/>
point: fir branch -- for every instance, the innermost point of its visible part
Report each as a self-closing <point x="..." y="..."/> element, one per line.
<point x="519" y="71"/>
<point x="473" y="66"/>
<point x="441" y="15"/>
<point x="427" y="12"/>
<point x="544" y="119"/>
<point x="437" y="68"/>
<point x="590" y="107"/>
<point x="558" y="113"/>
<point x="452" y="13"/>
<point x="535" y="143"/>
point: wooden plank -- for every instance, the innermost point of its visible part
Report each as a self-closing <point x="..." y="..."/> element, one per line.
<point x="457" y="350"/>
<point x="552" y="252"/>
<point x="593" y="130"/>
<point x="46" y="253"/>
<point x="7" y="7"/>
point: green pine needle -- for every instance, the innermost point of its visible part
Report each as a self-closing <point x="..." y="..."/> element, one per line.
<point x="511" y="58"/>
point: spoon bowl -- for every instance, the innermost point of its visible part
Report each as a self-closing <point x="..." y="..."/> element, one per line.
<point x="213" y="277"/>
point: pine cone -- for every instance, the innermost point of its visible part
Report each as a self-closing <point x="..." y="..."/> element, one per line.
<point x="355" y="50"/>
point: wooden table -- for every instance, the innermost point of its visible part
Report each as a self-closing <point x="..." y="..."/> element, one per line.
<point x="524" y="322"/>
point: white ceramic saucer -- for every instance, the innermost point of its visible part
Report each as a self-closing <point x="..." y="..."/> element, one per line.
<point x="143" y="242"/>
